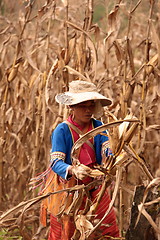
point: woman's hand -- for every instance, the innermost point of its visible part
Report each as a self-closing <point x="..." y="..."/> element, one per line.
<point x="70" y="170"/>
<point x="81" y="171"/>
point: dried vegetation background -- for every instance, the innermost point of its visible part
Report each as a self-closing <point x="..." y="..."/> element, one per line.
<point x="44" y="46"/>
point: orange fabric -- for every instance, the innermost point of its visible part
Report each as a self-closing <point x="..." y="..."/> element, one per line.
<point x="54" y="203"/>
<point x="43" y="215"/>
<point x="68" y="228"/>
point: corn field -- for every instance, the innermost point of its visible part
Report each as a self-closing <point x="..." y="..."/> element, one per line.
<point x="44" y="45"/>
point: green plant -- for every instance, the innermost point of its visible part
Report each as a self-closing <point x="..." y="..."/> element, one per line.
<point x="5" y="235"/>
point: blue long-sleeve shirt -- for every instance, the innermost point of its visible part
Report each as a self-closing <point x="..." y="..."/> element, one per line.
<point x="62" y="143"/>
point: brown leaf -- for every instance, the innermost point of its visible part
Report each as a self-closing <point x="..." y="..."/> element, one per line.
<point x="148" y="217"/>
<point x="151" y="64"/>
<point x="46" y="11"/>
<point x="151" y="127"/>
<point x="73" y="208"/>
<point x="31" y="62"/>
<point x="129" y="134"/>
<point x="83" y="225"/>
<point x="113" y="134"/>
<point x="153" y="183"/>
<point x="12" y="72"/>
<point x="65" y="2"/>
<point x="157" y="41"/>
<point x="112" y="20"/>
<point x="73" y="71"/>
<point x="123" y="127"/>
<point x="118" y="179"/>
<point x="90" y="42"/>
<point x="130" y="55"/>
<point x="119" y="50"/>
<point x="95" y="173"/>
<point x="70" y="50"/>
<point x="96" y="131"/>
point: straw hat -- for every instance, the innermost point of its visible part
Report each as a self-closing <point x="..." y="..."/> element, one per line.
<point x="81" y="91"/>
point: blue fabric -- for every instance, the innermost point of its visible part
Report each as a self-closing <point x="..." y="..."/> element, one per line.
<point x="62" y="142"/>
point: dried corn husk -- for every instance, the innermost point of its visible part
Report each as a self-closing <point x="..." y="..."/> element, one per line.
<point x="121" y="134"/>
<point x="151" y="64"/>
<point x="12" y="72"/>
<point x="83" y="225"/>
<point x="81" y="171"/>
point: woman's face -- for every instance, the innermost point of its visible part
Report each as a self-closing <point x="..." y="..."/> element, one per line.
<point x="83" y="112"/>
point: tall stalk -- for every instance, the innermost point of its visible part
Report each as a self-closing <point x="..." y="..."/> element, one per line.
<point x="142" y="131"/>
<point x="128" y="87"/>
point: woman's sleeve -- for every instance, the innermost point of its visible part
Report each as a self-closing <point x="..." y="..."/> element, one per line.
<point x="58" y="152"/>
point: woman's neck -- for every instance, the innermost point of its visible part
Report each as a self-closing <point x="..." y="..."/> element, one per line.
<point x="83" y="125"/>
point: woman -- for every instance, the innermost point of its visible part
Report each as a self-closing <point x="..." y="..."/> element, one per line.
<point x="84" y="102"/>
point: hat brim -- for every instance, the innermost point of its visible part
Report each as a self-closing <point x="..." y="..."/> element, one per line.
<point x="70" y="99"/>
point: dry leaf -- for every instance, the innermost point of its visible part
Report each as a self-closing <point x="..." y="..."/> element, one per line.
<point x="95" y="173"/>
<point x="73" y="71"/>
<point x="12" y="72"/>
<point x="153" y="183"/>
<point x="118" y="179"/>
<point x="151" y="64"/>
<point x="148" y="217"/>
<point x="46" y="11"/>
<point x="119" y="50"/>
<point x="157" y="41"/>
<point x="96" y="131"/>
<point x="123" y="126"/>
<point x="65" y="2"/>
<point x="130" y="55"/>
<point x="84" y="223"/>
<point x="112" y="20"/>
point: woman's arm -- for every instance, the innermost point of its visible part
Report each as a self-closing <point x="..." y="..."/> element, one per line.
<point x="59" y="149"/>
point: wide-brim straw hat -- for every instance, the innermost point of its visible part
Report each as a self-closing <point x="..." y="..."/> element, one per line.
<point x="81" y="91"/>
